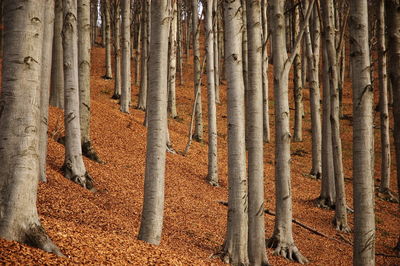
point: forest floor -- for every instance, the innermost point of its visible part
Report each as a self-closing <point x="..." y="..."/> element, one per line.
<point x="102" y="227"/>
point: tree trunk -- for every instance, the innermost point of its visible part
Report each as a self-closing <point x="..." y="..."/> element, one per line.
<point x="312" y="48"/>
<point x="235" y="245"/>
<point x="216" y="51"/>
<point x="363" y="183"/>
<point x="393" y="22"/>
<point x="212" y="177"/>
<point x="198" y="129"/>
<point x="126" y="56"/>
<point x="117" y="50"/>
<point x="20" y="123"/>
<point x="383" y="102"/>
<point x="153" y="203"/>
<point x="48" y="30"/>
<point x="340" y="219"/>
<point x="57" y="72"/>
<point x="144" y="52"/>
<point x="266" y="127"/>
<point x="297" y="82"/>
<point x="256" y="232"/>
<point x="107" y="18"/>
<point x="172" y="62"/>
<point x="74" y="168"/>
<point x="282" y="238"/>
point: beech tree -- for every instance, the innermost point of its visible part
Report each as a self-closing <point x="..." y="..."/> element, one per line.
<point x="363" y="192"/>
<point x="20" y="123"/>
<point x="144" y="53"/>
<point x="117" y="48"/>
<point x="153" y="202"/>
<point x="73" y="168"/>
<point x="126" y="56"/>
<point x="107" y="36"/>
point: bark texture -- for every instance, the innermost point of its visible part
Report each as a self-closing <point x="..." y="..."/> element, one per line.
<point x="126" y="56"/>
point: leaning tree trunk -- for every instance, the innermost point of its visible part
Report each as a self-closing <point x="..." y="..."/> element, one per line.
<point x="198" y="129"/>
<point x="393" y="22"/>
<point x="282" y="238"/>
<point x="340" y="219"/>
<point x="20" y="122"/>
<point x="107" y="37"/>
<point x="117" y="50"/>
<point x="84" y="64"/>
<point x="153" y="202"/>
<point x="57" y="72"/>
<point x="73" y="168"/>
<point x="212" y="176"/>
<point x="383" y="103"/>
<point x="363" y="182"/>
<point x="48" y="30"/>
<point x="236" y="244"/>
<point x="126" y="56"/>
<point x="144" y="53"/>
<point x="256" y="232"/>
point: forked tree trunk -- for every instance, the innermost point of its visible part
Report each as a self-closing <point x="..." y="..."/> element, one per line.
<point x="117" y="50"/>
<point x="256" y="231"/>
<point x="198" y="129"/>
<point x="19" y="123"/>
<point x="57" y="68"/>
<point x="363" y="183"/>
<point x="172" y="62"/>
<point x="48" y="30"/>
<point x="235" y="248"/>
<point x="84" y="64"/>
<point x="153" y="202"/>
<point x="383" y="102"/>
<point x="393" y="23"/>
<point x="126" y="56"/>
<point x="212" y="176"/>
<point x="73" y="168"/>
<point x="340" y="219"/>
<point x="144" y="53"/>
<point x="107" y="37"/>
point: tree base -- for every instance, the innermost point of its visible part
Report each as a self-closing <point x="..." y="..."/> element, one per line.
<point x="141" y="107"/>
<point x="106" y="77"/>
<point x="85" y="180"/>
<point x="386" y="195"/>
<point x="341" y="226"/>
<point x="89" y="152"/>
<point x="37" y="237"/>
<point x="116" y="96"/>
<point x="212" y="181"/>
<point x="315" y="175"/>
<point x="286" y="250"/>
<point x="197" y="138"/>
<point x="325" y="203"/>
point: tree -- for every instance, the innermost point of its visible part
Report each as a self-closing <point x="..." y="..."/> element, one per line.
<point x="282" y="238"/>
<point x="363" y="194"/>
<point x="126" y="56"/>
<point x="340" y="219"/>
<point x="117" y="49"/>
<point x="172" y="62"/>
<point x="48" y="30"/>
<point x="198" y="130"/>
<point x="236" y="244"/>
<point x="212" y="110"/>
<point x="153" y="202"/>
<point x="144" y="52"/>
<point x="57" y="71"/>
<point x="73" y="168"/>
<point x="267" y="131"/>
<point x="84" y="64"/>
<point x="393" y="23"/>
<point x="256" y="231"/>
<point x="20" y="123"/>
<point x="107" y="28"/>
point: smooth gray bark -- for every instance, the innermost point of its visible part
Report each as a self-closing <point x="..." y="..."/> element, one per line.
<point x="265" y="82"/>
<point x="145" y="56"/>
<point x="20" y="123"/>
<point x="117" y="49"/>
<point x="107" y="37"/>
<point x="126" y="55"/>
<point x="153" y="202"/>
<point x="172" y="62"/>
<point x="363" y="183"/>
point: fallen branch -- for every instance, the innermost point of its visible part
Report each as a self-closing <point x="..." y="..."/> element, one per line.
<point x="387" y="255"/>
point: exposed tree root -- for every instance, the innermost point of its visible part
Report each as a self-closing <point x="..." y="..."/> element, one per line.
<point x="197" y="138"/>
<point x="141" y="107"/>
<point x="85" y="180"/>
<point x="89" y="152"/>
<point x="387" y="195"/>
<point x="340" y="226"/>
<point x="116" y="96"/>
<point x="286" y="250"/>
<point x="325" y="203"/>
<point x="212" y="182"/>
<point x="37" y="237"/>
<point x="315" y="175"/>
